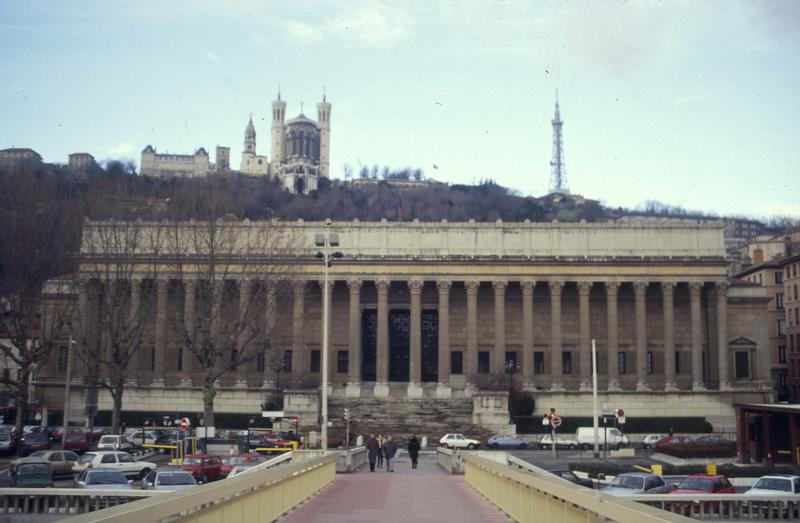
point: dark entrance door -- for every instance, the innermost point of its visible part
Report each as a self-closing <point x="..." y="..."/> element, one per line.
<point x="430" y="345"/>
<point x="369" y="344"/>
<point x="399" y="341"/>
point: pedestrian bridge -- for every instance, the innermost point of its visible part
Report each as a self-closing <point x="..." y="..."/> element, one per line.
<point x="303" y="486"/>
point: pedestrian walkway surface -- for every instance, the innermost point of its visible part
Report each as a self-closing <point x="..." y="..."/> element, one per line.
<point x="406" y="495"/>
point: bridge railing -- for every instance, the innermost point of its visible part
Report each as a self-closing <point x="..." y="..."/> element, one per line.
<point x="726" y="507"/>
<point x="527" y="496"/>
<point x="347" y="460"/>
<point x="65" y="502"/>
<point x="263" y="495"/>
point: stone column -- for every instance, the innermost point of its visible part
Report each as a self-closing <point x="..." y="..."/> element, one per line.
<point x="471" y="357"/>
<point x="245" y="331"/>
<point x="584" y="325"/>
<point x="668" y="305"/>
<point x="640" y="294"/>
<point x="527" y="330"/>
<point x="382" y="357"/>
<point x="612" y="326"/>
<point x="443" y="390"/>
<point x="499" y="327"/>
<point x="556" y="371"/>
<point x="187" y="358"/>
<point x="270" y="321"/>
<point x="298" y="327"/>
<point x="162" y="301"/>
<point x="415" y="341"/>
<point x="722" y="336"/>
<point x="84" y="331"/>
<point x="695" y="288"/>
<point x="135" y="323"/>
<point x="353" y="388"/>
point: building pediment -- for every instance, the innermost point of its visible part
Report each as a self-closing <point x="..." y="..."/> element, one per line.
<point x="742" y="342"/>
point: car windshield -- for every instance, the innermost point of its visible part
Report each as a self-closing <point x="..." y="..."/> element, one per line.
<point x="32" y="469"/>
<point x="167" y="478"/>
<point x="108" y="439"/>
<point x="88" y="457"/>
<point x="75" y="437"/>
<point x="632" y="482"/>
<point x="192" y="461"/>
<point x="783" y="485"/>
<point x="36" y="436"/>
<point x="235" y="460"/>
<point x="696" y="484"/>
<point x="37" y="454"/>
<point x="110" y="477"/>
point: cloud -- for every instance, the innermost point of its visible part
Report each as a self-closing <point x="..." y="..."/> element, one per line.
<point x="212" y="56"/>
<point x="122" y="149"/>
<point x="304" y="33"/>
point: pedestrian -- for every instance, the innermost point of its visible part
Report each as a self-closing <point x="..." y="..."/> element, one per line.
<point x="389" y="450"/>
<point x="373" y="449"/>
<point x="123" y="428"/>
<point x="381" y="441"/>
<point x="413" y="450"/>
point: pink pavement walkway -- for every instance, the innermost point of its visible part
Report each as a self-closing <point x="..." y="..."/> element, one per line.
<point x="426" y="494"/>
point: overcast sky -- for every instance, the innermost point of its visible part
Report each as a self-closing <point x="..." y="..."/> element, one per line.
<point x="690" y="103"/>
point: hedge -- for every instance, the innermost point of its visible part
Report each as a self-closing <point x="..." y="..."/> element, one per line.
<point x="639" y="425"/>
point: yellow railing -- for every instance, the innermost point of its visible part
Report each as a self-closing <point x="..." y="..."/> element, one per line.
<point x="527" y="496"/>
<point x="260" y="496"/>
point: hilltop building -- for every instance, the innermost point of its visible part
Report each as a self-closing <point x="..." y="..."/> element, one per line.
<point x="19" y="158"/>
<point x="171" y="165"/>
<point x="82" y="163"/>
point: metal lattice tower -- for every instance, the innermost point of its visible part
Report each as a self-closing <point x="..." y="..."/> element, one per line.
<point x="558" y="171"/>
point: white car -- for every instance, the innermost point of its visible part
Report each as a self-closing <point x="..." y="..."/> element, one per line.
<point x="135" y="437"/>
<point x="458" y="441"/>
<point x="112" y="442"/>
<point x="649" y="441"/>
<point x="114" y="460"/>
<point x="776" y="485"/>
<point x="563" y="442"/>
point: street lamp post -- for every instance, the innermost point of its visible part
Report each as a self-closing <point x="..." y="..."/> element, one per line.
<point x="325" y="242"/>
<point x="67" y="383"/>
<point x="511" y="368"/>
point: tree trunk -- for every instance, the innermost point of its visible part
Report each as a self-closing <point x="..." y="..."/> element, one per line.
<point x="209" y="393"/>
<point x="116" y="410"/>
<point x="20" y="403"/>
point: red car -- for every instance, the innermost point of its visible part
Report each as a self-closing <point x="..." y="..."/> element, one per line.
<point x="203" y="467"/>
<point x="705" y="484"/>
<point x="240" y="459"/>
<point x="77" y="442"/>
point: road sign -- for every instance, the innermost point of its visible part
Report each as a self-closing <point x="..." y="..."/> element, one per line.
<point x="185" y="423"/>
<point x="294" y="420"/>
<point x="555" y="421"/>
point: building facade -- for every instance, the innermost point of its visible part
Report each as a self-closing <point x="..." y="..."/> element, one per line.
<point x="19" y="158"/>
<point x="171" y="165"/>
<point x="791" y="284"/>
<point x="82" y="163"/>
<point x="435" y="310"/>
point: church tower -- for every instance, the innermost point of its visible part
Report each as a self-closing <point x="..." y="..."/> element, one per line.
<point x="250" y="137"/>
<point x="324" y="124"/>
<point x="278" y="133"/>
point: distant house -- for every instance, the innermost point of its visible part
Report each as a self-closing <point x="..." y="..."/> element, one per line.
<point x="19" y="158"/>
<point x="82" y="162"/>
<point x="171" y="165"/>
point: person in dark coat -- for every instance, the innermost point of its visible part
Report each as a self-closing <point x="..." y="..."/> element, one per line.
<point x="373" y="449"/>
<point x="381" y="440"/>
<point x="413" y="450"/>
<point x="389" y="450"/>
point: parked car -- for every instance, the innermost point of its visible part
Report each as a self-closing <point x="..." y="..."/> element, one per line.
<point x="650" y="440"/>
<point x="32" y="473"/>
<point x="562" y="442"/>
<point x="229" y="462"/>
<point x="135" y="436"/>
<point x="563" y="472"/>
<point x="632" y="483"/>
<point x="706" y="445"/>
<point x="115" y="460"/>
<point x="114" y="442"/>
<point x="204" y="467"/>
<point x="458" y="441"/>
<point x="61" y="461"/>
<point x="102" y="479"/>
<point x="168" y="480"/>
<point x="775" y="485"/>
<point x="611" y="435"/>
<point x="8" y="443"/>
<point x="97" y="433"/>
<point x="705" y="484"/>
<point x="34" y="441"/>
<point x="499" y="441"/>
<point x="77" y="442"/>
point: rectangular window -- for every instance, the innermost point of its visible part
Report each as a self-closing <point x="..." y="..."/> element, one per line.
<point x="742" y="364"/>
<point x="287" y="361"/>
<point x="566" y="362"/>
<point x="261" y="361"/>
<point x="797" y="315"/>
<point x="779" y="277"/>
<point x="649" y="361"/>
<point x="63" y="357"/>
<point x="456" y="362"/>
<point x="781" y="327"/>
<point x="342" y="361"/>
<point x="677" y="362"/>
<point x="779" y="301"/>
<point x="152" y="358"/>
<point x="538" y="362"/>
<point x="180" y="358"/>
<point x="483" y="362"/>
<point x="781" y="353"/>
<point x="314" y="361"/>
<point x="621" y="367"/>
<point x="511" y="357"/>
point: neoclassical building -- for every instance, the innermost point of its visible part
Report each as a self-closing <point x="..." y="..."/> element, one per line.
<point x="433" y="310"/>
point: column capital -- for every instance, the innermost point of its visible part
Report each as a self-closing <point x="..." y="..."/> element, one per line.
<point x="444" y="286"/>
<point x="162" y="284"/>
<point x="668" y="287"/>
<point x="189" y="282"/>
<point x="640" y="287"/>
<point x="528" y="286"/>
<point x="556" y="286"/>
<point x="500" y="286"/>
<point x="415" y="286"/>
<point x="299" y="286"/>
<point x="722" y="288"/>
<point x="695" y="287"/>
<point x="382" y="286"/>
<point x="354" y="285"/>
<point x="472" y="286"/>
<point x="321" y="284"/>
<point x="612" y="287"/>
<point x="585" y="287"/>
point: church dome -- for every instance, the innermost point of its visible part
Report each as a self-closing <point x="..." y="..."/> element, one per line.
<point x="301" y="119"/>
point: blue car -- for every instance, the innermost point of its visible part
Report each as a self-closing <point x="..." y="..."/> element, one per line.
<point x="506" y="442"/>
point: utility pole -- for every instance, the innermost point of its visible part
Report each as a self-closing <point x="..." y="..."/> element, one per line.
<point x="67" y="383"/>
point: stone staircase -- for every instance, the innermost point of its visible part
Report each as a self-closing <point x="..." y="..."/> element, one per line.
<point x="402" y="418"/>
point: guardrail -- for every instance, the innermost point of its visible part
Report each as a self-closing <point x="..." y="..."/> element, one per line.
<point x="728" y="507"/>
<point x="65" y="501"/>
<point x="260" y="496"/>
<point x="534" y="497"/>
<point x="347" y="460"/>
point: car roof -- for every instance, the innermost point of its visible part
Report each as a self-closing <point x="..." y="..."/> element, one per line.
<point x="104" y="452"/>
<point x="29" y="460"/>
<point x="637" y="474"/>
<point x="202" y="455"/>
<point x="706" y="476"/>
<point x="779" y="476"/>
